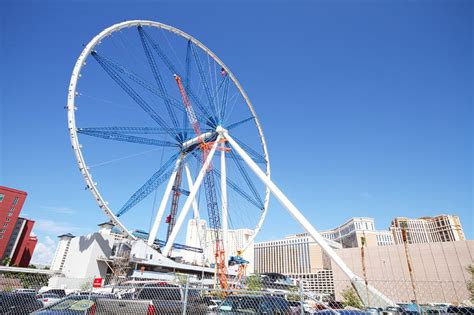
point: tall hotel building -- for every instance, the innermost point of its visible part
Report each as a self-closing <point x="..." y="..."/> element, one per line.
<point x="441" y="228"/>
<point x="297" y="256"/>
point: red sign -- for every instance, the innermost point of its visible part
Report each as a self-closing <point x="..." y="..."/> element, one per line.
<point x="97" y="283"/>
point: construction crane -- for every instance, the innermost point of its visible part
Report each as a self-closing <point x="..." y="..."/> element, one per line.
<point x="171" y="218"/>
<point x="239" y="282"/>
<point x="210" y="187"/>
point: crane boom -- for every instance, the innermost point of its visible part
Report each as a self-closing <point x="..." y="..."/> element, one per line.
<point x="211" y="196"/>
<point x="188" y="107"/>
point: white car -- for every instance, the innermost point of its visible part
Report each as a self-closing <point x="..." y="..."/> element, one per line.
<point x="213" y="304"/>
<point x="48" y="298"/>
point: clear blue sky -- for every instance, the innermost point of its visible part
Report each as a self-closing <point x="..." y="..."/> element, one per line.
<point x="366" y="106"/>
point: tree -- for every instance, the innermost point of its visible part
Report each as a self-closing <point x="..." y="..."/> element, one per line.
<point x="470" y="284"/>
<point x="351" y="298"/>
<point x="254" y="283"/>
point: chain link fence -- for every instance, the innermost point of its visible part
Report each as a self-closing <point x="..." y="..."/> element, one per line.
<point x="48" y="293"/>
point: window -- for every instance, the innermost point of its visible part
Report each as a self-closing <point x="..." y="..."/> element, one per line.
<point x="15" y="201"/>
<point x="11" y="209"/>
<point x="1" y="197"/>
<point x="7" y="220"/>
<point x="5" y="224"/>
<point x="2" y="230"/>
<point x="1" y="236"/>
<point x="10" y="214"/>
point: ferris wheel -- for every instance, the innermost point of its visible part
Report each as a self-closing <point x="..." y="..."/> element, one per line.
<point x="148" y="106"/>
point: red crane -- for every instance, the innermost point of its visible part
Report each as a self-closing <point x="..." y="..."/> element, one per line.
<point x="214" y="217"/>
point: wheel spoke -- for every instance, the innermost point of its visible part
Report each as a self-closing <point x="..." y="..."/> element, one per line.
<point x="146" y="85"/>
<point x="233" y="185"/>
<point x="133" y="130"/>
<point x="126" y="138"/>
<point x="232" y="126"/>
<point x="134" y="95"/>
<point x="257" y="157"/>
<point x="224" y="98"/>
<point x="157" y="76"/>
<point x="187" y="82"/>
<point x="246" y="177"/>
<point x="150" y="185"/>
<point x="204" y="80"/>
<point x="173" y="71"/>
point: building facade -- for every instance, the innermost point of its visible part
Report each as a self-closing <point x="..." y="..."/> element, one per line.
<point x="16" y="243"/>
<point x="21" y="245"/>
<point x="198" y="235"/>
<point x="295" y="254"/>
<point x="350" y="233"/>
<point x="11" y="202"/>
<point x="62" y="251"/>
<point x="441" y="228"/>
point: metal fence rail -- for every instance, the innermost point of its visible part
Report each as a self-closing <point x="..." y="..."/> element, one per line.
<point x="47" y="293"/>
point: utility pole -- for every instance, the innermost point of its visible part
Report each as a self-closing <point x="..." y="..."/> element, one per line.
<point x="403" y="226"/>
<point x="364" y="270"/>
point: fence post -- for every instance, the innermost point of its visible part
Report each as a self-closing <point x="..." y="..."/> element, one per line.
<point x="300" y="282"/>
<point x="91" y="288"/>
<point x="186" y="289"/>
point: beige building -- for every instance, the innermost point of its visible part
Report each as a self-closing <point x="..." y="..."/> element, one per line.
<point x="295" y="254"/>
<point x="351" y="232"/>
<point x="439" y="270"/>
<point x="441" y="228"/>
<point x="300" y="257"/>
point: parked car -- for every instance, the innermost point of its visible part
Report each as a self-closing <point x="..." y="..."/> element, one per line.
<point x="373" y="310"/>
<point x="129" y="307"/>
<point x="212" y="303"/>
<point x="342" y="312"/>
<point x="48" y="298"/>
<point x="23" y="290"/>
<point x="18" y="303"/>
<point x="154" y="298"/>
<point x="405" y="309"/>
<point x="71" y="305"/>
<point x="253" y="304"/>
<point x="295" y="307"/>
<point x="60" y="292"/>
<point x="460" y="310"/>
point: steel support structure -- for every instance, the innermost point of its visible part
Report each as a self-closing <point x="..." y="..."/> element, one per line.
<point x="189" y="200"/>
<point x="224" y="205"/>
<point x="164" y="202"/>
<point x="356" y="281"/>
<point x="196" y="216"/>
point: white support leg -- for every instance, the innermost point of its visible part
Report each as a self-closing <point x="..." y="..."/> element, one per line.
<point x="196" y="216"/>
<point x="225" y="219"/>
<point x="189" y="200"/>
<point x="190" y="186"/>
<point x="298" y="216"/>
<point x="164" y="202"/>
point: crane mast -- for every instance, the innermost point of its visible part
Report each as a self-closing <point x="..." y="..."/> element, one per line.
<point x="171" y="219"/>
<point x="211" y="196"/>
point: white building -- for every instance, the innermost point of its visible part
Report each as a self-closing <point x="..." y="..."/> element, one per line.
<point x="77" y="257"/>
<point x="197" y="235"/>
<point x="81" y="258"/>
<point x="61" y="252"/>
